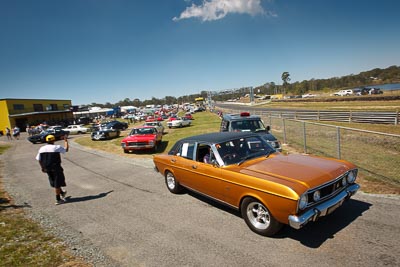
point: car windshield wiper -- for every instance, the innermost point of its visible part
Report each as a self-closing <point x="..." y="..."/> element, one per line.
<point x="269" y="153"/>
<point x="265" y="154"/>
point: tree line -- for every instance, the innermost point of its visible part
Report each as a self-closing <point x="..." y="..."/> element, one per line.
<point x="367" y="78"/>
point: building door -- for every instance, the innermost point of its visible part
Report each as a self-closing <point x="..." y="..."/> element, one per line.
<point x="21" y="124"/>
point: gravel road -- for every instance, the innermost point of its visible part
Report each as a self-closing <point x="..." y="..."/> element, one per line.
<point x="120" y="214"/>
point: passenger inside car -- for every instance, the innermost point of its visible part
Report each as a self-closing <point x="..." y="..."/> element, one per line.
<point x="207" y="157"/>
<point x="204" y="154"/>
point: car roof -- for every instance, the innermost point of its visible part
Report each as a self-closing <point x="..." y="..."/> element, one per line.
<point x="218" y="137"/>
<point x="233" y="117"/>
<point x="145" y="127"/>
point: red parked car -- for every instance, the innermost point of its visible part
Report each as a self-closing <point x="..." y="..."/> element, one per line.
<point x="142" y="138"/>
<point x="189" y="116"/>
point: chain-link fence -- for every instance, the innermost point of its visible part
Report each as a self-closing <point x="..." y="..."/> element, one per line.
<point x="377" y="155"/>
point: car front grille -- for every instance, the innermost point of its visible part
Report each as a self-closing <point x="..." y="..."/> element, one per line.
<point x="327" y="190"/>
<point x="138" y="143"/>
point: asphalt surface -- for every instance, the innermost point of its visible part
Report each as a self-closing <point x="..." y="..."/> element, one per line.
<point x="120" y="213"/>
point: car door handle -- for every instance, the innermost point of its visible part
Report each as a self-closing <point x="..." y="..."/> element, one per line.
<point x="194" y="167"/>
<point x="173" y="160"/>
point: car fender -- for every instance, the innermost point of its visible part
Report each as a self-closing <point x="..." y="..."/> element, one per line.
<point x="273" y="203"/>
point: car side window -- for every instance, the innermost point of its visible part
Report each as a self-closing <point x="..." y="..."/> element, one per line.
<point x="204" y="153"/>
<point x="224" y="126"/>
<point x="187" y="150"/>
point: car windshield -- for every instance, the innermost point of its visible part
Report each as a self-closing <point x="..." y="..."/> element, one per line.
<point x="143" y="131"/>
<point x="48" y="131"/>
<point x="237" y="151"/>
<point x="248" y="126"/>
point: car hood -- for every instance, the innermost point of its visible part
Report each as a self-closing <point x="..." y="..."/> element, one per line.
<point x="139" y="138"/>
<point x="105" y="129"/>
<point x="300" y="172"/>
<point x="36" y="136"/>
<point x="268" y="137"/>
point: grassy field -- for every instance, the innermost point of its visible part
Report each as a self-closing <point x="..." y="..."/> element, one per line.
<point x="377" y="156"/>
<point x="391" y="106"/>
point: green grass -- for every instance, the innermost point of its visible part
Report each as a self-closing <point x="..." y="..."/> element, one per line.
<point x="24" y="243"/>
<point x="3" y="148"/>
<point x="391" y="106"/>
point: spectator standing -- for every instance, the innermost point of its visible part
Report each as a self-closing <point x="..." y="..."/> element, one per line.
<point x="8" y="133"/>
<point x="16" y="132"/>
<point x="50" y="161"/>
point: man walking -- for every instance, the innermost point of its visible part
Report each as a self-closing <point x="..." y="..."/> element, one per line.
<point x="50" y="162"/>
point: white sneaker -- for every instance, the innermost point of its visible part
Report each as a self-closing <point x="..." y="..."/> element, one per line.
<point x="59" y="202"/>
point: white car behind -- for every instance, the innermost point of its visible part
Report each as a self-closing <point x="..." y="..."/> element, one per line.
<point x="158" y="125"/>
<point x="76" y="129"/>
<point x="179" y="122"/>
<point x="346" y="92"/>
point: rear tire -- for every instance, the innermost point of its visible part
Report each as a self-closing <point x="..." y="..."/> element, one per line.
<point x="258" y="218"/>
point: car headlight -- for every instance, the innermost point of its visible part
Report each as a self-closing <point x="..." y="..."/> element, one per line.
<point x="303" y="201"/>
<point x="351" y="176"/>
<point x="123" y="144"/>
<point x="151" y="142"/>
<point x="344" y="181"/>
<point x="317" y="196"/>
<point x="273" y="144"/>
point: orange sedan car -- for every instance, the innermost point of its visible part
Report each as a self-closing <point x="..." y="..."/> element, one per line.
<point x="242" y="170"/>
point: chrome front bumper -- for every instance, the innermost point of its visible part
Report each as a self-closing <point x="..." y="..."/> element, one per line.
<point x="323" y="209"/>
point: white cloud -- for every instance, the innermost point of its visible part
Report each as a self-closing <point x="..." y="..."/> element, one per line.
<point x="218" y="9"/>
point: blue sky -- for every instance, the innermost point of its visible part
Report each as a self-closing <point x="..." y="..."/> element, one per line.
<point x="108" y="50"/>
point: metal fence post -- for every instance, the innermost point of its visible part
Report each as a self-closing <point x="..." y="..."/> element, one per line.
<point x="304" y="137"/>
<point x="396" y="120"/>
<point x="339" y="156"/>
<point x="270" y="120"/>
<point x="284" y="131"/>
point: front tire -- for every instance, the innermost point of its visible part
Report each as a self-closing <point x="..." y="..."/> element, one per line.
<point x="172" y="184"/>
<point x="258" y="218"/>
<point x="97" y="137"/>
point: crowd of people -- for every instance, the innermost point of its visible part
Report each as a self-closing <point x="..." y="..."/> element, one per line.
<point x="13" y="133"/>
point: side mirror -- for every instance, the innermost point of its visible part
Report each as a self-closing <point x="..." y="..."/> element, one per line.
<point x="268" y="129"/>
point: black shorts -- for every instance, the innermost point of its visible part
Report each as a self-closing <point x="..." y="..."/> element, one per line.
<point x="56" y="177"/>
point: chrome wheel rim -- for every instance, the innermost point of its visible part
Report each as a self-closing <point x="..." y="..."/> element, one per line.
<point x="258" y="215"/>
<point x="170" y="181"/>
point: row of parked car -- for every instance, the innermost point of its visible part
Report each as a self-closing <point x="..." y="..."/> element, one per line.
<point x="359" y="91"/>
<point x="98" y="132"/>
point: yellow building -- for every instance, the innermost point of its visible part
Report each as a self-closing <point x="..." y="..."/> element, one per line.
<point x="23" y="112"/>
